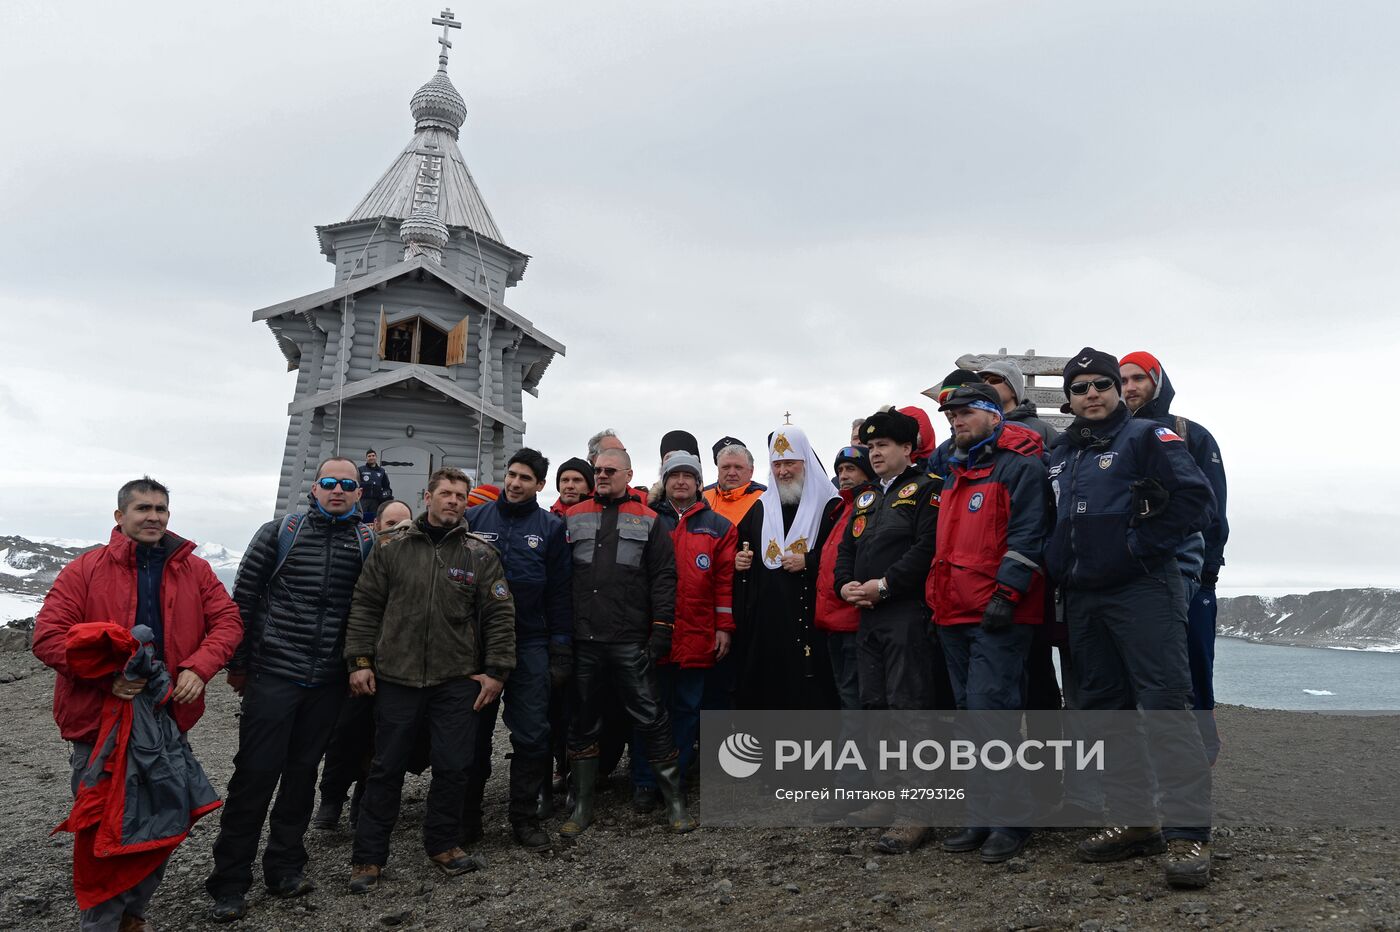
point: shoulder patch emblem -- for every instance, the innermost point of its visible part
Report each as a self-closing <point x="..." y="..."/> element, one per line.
<point x="909" y="490"/>
<point x="858" y="525"/>
<point x="702" y="561"/>
<point x="1106" y="460"/>
<point x="534" y="540"/>
<point x="935" y="499"/>
<point x="865" y="499"/>
<point x="974" y="503"/>
<point x="1166" y="434"/>
<point x="1056" y="469"/>
<point x="500" y="591"/>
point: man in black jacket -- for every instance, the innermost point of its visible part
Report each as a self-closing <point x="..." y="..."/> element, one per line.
<point x="624" y="589"/>
<point x="881" y="567"/>
<point x="293" y="590"/>
<point x="374" y="486"/>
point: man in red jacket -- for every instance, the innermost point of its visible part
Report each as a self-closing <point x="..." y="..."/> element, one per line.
<point x="704" y="543"/>
<point x="837" y="617"/>
<point x="989" y="591"/>
<point x="143" y="575"/>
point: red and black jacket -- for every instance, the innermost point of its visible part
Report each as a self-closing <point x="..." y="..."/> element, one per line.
<point x="833" y="612"/>
<point x="994" y="517"/>
<point x="704" y="543"/>
<point x="624" y="570"/>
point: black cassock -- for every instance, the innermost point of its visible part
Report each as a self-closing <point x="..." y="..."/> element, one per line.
<point x="780" y="655"/>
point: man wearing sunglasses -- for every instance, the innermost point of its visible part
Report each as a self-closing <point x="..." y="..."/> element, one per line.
<point x="1126" y="495"/>
<point x="293" y="590"/>
<point x="1016" y="407"/>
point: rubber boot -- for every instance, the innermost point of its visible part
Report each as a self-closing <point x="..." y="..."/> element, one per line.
<point x="584" y="774"/>
<point x="668" y="781"/>
<point x="544" y="803"/>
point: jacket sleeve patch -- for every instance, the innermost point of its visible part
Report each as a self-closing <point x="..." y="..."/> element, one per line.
<point x="1166" y="434"/>
<point x="499" y="590"/>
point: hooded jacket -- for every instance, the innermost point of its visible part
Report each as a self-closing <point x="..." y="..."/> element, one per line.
<point x="1025" y="415"/>
<point x="833" y="612"/>
<point x="704" y="544"/>
<point x="1206" y="453"/>
<point x="295" y="616"/>
<point x="200" y="625"/>
<point x="927" y="442"/>
<point x="992" y="521"/>
<point x="1098" y="541"/>
<point x="428" y="613"/>
<point x="534" y="551"/>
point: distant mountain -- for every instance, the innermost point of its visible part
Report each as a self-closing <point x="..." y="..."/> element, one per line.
<point x="1357" y="619"/>
<point x="29" y="567"/>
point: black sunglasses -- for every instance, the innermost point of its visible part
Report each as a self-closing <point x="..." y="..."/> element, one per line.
<point x="605" y="470"/>
<point x="1082" y="388"/>
<point x="347" y="485"/>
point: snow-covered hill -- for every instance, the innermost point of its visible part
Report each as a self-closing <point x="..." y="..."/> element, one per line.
<point x="1355" y="619"/>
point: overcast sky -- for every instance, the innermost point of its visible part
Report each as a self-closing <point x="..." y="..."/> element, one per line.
<point x="734" y="209"/>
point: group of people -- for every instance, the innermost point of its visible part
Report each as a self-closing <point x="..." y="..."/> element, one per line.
<point x="922" y="576"/>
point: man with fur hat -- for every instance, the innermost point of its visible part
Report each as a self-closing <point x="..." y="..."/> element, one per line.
<point x="881" y="568"/>
<point x="1127" y="494"/>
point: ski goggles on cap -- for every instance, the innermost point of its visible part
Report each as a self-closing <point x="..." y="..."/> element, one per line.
<point x="346" y="485"/>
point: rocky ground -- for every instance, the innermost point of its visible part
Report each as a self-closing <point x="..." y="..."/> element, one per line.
<point x="629" y="873"/>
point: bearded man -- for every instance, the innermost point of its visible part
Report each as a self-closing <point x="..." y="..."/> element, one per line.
<point x="782" y="660"/>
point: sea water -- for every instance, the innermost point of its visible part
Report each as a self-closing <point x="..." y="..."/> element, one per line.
<point x="1268" y="676"/>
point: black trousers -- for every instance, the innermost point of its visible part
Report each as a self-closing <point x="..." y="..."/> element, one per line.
<point x="282" y="735"/>
<point x="351" y="749"/>
<point x="632" y="672"/>
<point x="399" y="711"/>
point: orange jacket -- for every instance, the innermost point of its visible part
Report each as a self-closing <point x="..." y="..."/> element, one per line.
<point x="735" y="504"/>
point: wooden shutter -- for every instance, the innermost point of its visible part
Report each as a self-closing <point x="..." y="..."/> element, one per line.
<point x="383" y="331"/>
<point x="457" y="344"/>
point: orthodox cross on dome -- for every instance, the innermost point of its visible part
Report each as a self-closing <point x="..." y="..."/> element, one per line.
<point x="446" y="21"/>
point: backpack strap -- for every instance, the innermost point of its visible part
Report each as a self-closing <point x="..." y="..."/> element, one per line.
<point x="1182" y="426"/>
<point x="287" y="536"/>
<point x="366" y="534"/>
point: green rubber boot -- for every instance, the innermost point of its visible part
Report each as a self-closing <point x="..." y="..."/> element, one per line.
<point x="584" y="772"/>
<point x="668" y="780"/>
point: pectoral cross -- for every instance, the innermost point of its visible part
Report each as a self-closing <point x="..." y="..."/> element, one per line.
<point x="446" y="21"/>
<point x="806" y="650"/>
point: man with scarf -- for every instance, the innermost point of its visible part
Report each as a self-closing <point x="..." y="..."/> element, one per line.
<point x="781" y="657"/>
<point x="293" y="589"/>
<point x="881" y="568"/>
<point x="1126" y="495"/>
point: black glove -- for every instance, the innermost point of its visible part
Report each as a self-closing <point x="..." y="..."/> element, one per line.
<point x="1209" y="578"/>
<point x="1000" y="613"/>
<point x="659" y="644"/>
<point x="1149" y="500"/>
<point x="561" y="664"/>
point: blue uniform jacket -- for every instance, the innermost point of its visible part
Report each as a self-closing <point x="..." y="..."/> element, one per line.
<point x="1093" y="466"/>
<point x="535" y="554"/>
<point x="1206" y="452"/>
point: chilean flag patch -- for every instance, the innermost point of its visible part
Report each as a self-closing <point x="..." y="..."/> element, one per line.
<point x="1166" y="434"/>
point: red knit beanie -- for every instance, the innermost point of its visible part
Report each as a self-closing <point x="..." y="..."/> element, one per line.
<point x="1147" y="363"/>
<point x="483" y="494"/>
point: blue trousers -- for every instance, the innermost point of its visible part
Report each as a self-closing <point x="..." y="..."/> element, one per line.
<point x="1200" y="648"/>
<point x="682" y="690"/>
<point x="845" y="663"/>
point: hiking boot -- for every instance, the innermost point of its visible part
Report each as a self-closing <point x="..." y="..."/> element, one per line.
<point x="1003" y="846"/>
<point x="293" y="885"/>
<point x="132" y="923"/>
<point x="1188" y="862"/>
<point x="544" y="804"/>
<point x="583" y="773"/>
<point x="528" y="834"/>
<point x="228" y="908"/>
<point x="1122" y="842"/>
<point x="454" y="861"/>
<point x="901" y="839"/>
<point x="645" y="799"/>
<point x="668" y="781"/>
<point x="364" y="877"/>
<point x="327" y="817"/>
<point x="969" y="839"/>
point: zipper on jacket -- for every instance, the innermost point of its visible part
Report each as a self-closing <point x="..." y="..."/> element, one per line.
<point x="325" y="595"/>
<point x="1073" y="524"/>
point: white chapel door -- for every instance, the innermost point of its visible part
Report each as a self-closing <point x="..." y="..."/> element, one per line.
<point x="408" y="468"/>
